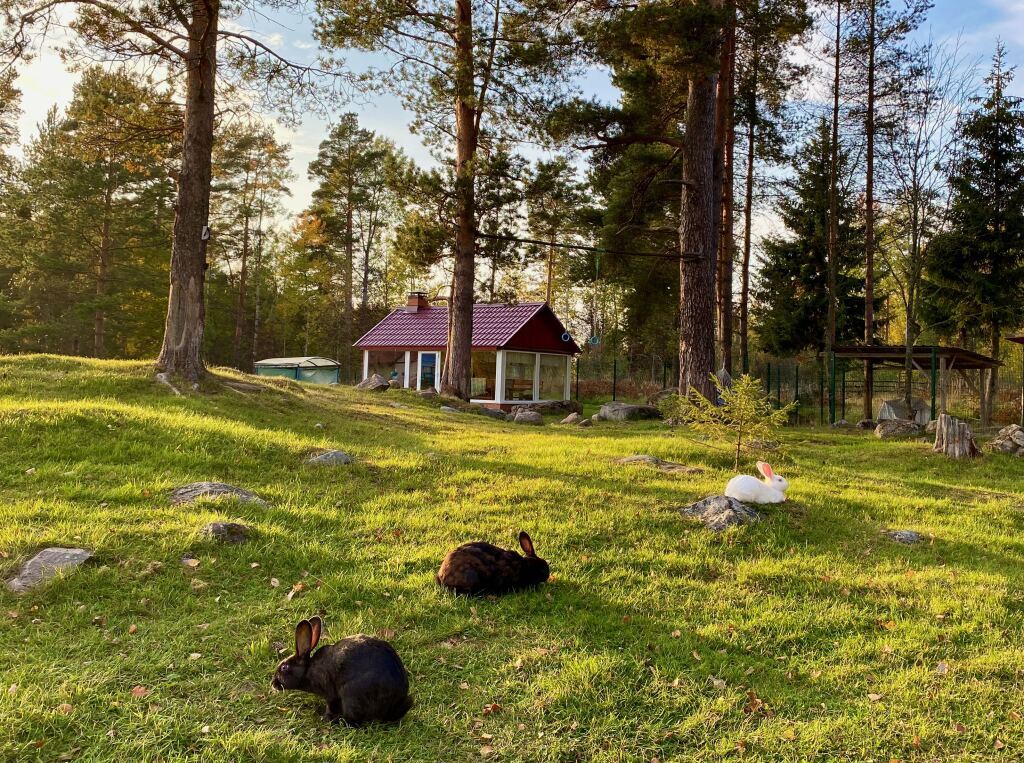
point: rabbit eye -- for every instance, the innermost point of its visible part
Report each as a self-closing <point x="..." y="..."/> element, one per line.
<point x="285" y="668"/>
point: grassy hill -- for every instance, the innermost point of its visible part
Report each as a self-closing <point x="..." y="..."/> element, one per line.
<point x="807" y="636"/>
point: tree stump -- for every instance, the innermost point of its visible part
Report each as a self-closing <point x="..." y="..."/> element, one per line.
<point x="954" y="438"/>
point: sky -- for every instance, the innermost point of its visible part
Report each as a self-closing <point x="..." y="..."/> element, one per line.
<point x="47" y="82"/>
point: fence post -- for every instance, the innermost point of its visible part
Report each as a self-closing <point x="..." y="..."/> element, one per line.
<point x="844" y="394"/>
<point x="615" y="374"/>
<point x="934" y="380"/>
<point x="578" y="379"/>
<point x="768" y="380"/>
<point x="796" y="391"/>
<point x="821" y="392"/>
<point x="778" y="385"/>
<point x="832" y="389"/>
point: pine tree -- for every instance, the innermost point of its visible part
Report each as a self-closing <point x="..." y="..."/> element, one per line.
<point x="791" y="292"/>
<point x="975" y="270"/>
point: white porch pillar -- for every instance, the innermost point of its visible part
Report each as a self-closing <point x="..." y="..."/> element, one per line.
<point x="366" y="364"/>
<point x="536" y="376"/>
<point x="499" y="377"/>
<point x="405" y="378"/>
<point x="568" y="377"/>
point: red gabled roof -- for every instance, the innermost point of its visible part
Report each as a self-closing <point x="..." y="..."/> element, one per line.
<point x="493" y="327"/>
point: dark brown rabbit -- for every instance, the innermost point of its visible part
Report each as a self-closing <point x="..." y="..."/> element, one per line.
<point x="480" y="568"/>
<point x="361" y="677"/>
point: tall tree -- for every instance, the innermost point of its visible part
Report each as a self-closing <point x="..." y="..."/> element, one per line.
<point x="725" y="141"/>
<point x="500" y="196"/>
<point x="765" y="76"/>
<point x="186" y="37"/>
<point x="977" y="266"/>
<point x="470" y="70"/>
<point x="555" y="202"/>
<point x="792" y="290"/>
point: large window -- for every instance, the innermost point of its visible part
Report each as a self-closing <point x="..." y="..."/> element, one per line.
<point x="484" y="375"/>
<point x="519" y="368"/>
<point x="552" y="377"/>
<point x="388" y="363"/>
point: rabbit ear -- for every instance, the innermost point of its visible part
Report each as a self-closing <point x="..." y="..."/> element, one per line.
<point x="303" y="638"/>
<point x="316" y="624"/>
<point x="527" y="544"/>
<point x="765" y="469"/>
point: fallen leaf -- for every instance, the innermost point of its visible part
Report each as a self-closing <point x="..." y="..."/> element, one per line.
<point x="31" y="470"/>
<point x="486" y="737"/>
<point x="718" y="683"/>
<point x="960" y="728"/>
<point x="65" y="708"/>
<point x="696" y="655"/>
<point x="815" y="674"/>
<point x="1015" y="715"/>
<point x="133" y="628"/>
<point x="254" y="565"/>
<point x="296" y="590"/>
<point x="386" y="633"/>
<point x="999" y="744"/>
<point x="190" y="562"/>
<point x="874" y="697"/>
<point x="140" y="691"/>
<point x="486" y="750"/>
<point x="274" y="582"/>
<point x="676" y="634"/>
<point x="205" y="729"/>
<point x="195" y="656"/>
<point x="463" y="685"/>
<point x="789" y="734"/>
<point x="942" y="668"/>
<point x="627" y="619"/>
<point x="12" y="689"/>
<point x="491" y="708"/>
<point x="197" y="584"/>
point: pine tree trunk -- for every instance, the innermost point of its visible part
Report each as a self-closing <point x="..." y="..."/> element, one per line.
<point x="456" y="377"/>
<point x="182" y="350"/>
<point x="726" y="244"/>
<point x="833" y="211"/>
<point x="748" y="215"/>
<point x="243" y="273"/>
<point x="698" y="241"/>
<point x="103" y="268"/>
<point x="869" y="215"/>
<point x="348" y="311"/>
<point x="953" y="438"/>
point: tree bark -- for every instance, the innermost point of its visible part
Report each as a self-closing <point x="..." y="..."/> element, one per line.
<point x="243" y="273"/>
<point x="182" y="350"/>
<point x="726" y="136"/>
<point x="833" y="211"/>
<point x="102" y="271"/>
<point x="869" y="214"/>
<point x="748" y="214"/>
<point x="698" y="241"/>
<point x="458" y="359"/>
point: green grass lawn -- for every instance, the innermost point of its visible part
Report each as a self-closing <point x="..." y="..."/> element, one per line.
<point x="807" y="636"/>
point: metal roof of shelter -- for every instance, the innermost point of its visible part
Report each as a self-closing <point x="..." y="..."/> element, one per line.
<point x="311" y="361"/>
<point x="885" y="355"/>
<point x="494" y="326"/>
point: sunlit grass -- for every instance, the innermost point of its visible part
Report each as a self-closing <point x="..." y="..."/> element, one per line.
<point x="807" y="636"/>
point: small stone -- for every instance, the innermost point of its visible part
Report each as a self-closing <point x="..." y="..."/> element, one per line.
<point x="907" y="537"/>
<point x="719" y="512"/>
<point x="428" y="393"/>
<point x="196" y="490"/>
<point x="528" y="417"/>
<point x="867" y="424"/>
<point x="491" y="413"/>
<point x="841" y="423"/>
<point x="586" y="423"/>
<point x="572" y="418"/>
<point x="45" y="565"/>
<point x="666" y="466"/>
<point x="374" y="383"/>
<point x="329" y="458"/>
<point x="320" y="425"/>
<point x="226" y="532"/>
<point x="449" y="409"/>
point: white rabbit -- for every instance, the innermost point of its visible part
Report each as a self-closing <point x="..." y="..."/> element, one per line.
<point x="749" y="489"/>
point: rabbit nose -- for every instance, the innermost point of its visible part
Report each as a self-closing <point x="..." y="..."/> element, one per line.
<point x="276" y="685"/>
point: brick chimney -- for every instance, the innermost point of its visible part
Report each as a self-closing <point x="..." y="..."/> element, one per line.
<point x="417" y="301"/>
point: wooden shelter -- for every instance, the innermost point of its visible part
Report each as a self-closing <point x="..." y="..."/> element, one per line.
<point x="936" y="361"/>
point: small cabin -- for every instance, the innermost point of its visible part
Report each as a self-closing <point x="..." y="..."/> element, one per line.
<point x="312" y="369"/>
<point x="521" y="353"/>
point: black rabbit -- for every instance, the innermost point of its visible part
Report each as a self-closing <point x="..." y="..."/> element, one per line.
<point x="361" y="677"/>
<point x="480" y="568"/>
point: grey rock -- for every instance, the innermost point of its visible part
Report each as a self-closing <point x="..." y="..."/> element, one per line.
<point x="550" y="406"/>
<point x="45" y="565"/>
<point x="933" y="425"/>
<point x="841" y="423"/>
<point x="428" y="393"/>
<point x="907" y="537"/>
<point x="867" y="424"/>
<point x="374" y="383"/>
<point x="226" y="532"/>
<point x="528" y="417"/>
<point x="619" y="411"/>
<point x="329" y="458"/>
<point x="662" y="394"/>
<point x="491" y="413"/>
<point x="894" y="428"/>
<point x="586" y="423"/>
<point x="449" y="409"/>
<point x="572" y="418"/>
<point x="763" y="445"/>
<point x="719" y="512"/>
<point x="397" y="405"/>
<point x="394" y="384"/>
<point x="197" y="490"/>
<point x="1009" y="440"/>
<point x="597" y="417"/>
<point x="666" y="466"/>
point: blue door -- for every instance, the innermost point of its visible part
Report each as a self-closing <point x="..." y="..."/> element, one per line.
<point x="428" y="370"/>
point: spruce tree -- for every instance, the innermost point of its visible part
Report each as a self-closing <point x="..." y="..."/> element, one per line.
<point x="791" y="292"/>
